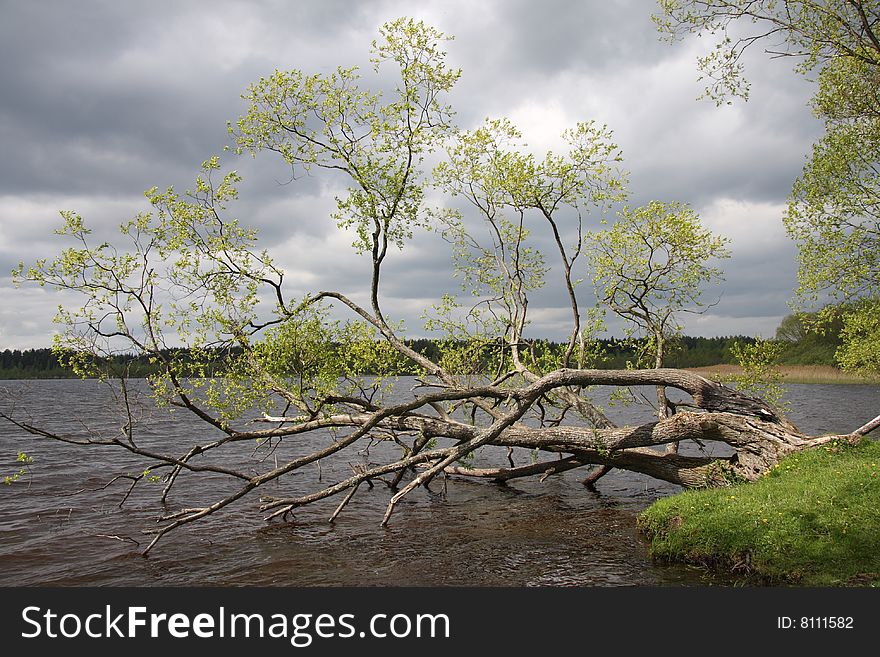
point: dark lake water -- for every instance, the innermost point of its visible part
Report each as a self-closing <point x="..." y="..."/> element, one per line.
<point x="528" y="533"/>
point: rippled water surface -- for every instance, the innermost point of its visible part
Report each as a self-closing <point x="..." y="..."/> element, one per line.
<point x="527" y="533"/>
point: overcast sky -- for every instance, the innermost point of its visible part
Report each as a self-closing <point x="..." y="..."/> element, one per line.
<point x="102" y="100"/>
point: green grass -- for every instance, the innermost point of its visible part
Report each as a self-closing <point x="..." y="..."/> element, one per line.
<point x="813" y="521"/>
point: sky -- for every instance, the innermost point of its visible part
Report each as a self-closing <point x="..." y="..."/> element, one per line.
<point x="100" y="100"/>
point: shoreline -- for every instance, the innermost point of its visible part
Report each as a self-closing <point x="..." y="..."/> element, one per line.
<point x="824" y="374"/>
<point x="820" y="374"/>
<point x="808" y="522"/>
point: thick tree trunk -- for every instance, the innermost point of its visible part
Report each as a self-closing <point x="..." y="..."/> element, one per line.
<point x="758" y="445"/>
<point x="759" y="436"/>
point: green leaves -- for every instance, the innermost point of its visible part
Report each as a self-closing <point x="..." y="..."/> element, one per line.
<point x="24" y="462"/>
<point x="328" y="121"/>
<point x="816" y="32"/>
<point x="492" y="169"/>
<point x="183" y="273"/>
<point x="860" y="350"/>
<point x="759" y="375"/>
<point x="652" y="264"/>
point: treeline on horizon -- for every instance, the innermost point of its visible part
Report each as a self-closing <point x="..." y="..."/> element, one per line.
<point x="805" y="349"/>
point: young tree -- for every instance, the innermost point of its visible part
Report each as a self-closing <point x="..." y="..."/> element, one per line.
<point x="491" y="169"/>
<point x="650" y="267"/>
<point x="792" y="329"/>
<point x="834" y="210"/>
<point x="188" y="274"/>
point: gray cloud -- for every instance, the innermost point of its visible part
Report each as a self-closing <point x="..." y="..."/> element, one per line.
<point x="102" y="100"/>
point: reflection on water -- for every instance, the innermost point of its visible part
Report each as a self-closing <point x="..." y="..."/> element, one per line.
<point x="526" y="533"/>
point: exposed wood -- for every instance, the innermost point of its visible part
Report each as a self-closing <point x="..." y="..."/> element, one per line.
<point x="868" y="427"/>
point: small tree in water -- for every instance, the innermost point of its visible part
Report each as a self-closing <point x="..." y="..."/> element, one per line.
<point x="649" y="268"/>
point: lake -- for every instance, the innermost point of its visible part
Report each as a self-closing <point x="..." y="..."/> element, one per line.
<point x="464" y="533"/>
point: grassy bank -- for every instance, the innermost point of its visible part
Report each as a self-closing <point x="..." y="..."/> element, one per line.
<point x="812" y="521"/>
<point x="790" y="373"/>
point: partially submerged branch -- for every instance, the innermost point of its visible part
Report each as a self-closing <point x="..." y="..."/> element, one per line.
<point x="758" y="436"/>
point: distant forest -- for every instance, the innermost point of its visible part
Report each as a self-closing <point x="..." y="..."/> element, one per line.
<point x="801" y="347"/>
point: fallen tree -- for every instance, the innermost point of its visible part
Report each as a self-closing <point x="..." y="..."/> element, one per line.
<point x="758" y="436"/>
<point x="191" y="275"/>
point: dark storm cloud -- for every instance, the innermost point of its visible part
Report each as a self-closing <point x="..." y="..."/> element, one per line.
<point x="749" y="150"/>
<point x="120" y="96"/>
<point x="556" y="35"/>
<point x="75" y="116"/>
<point x="525" y="47"/>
